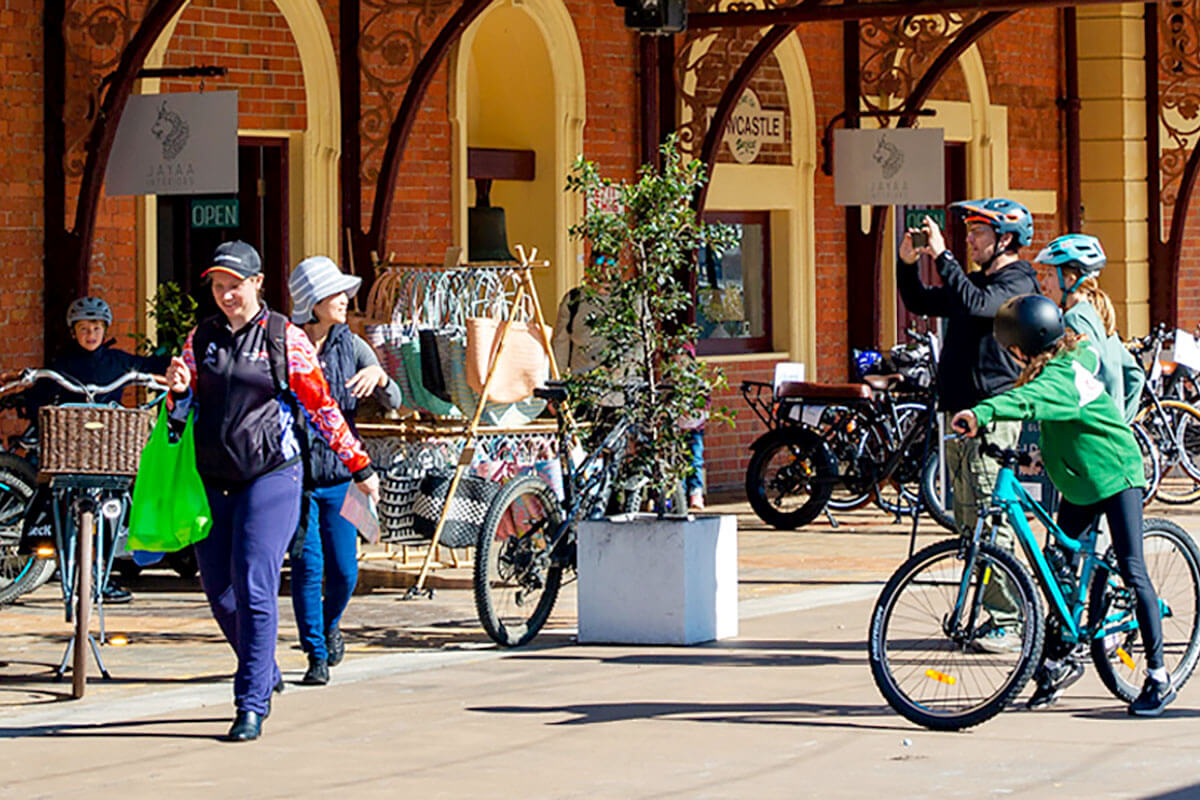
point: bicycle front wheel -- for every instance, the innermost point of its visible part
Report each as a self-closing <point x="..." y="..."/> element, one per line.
<point x="952" y="679"/>
<point x="83" y="600"/>
<point x="1173" y="564"/>
<point x="1176" y="435"/>
<point x="931" y="493"/>
<point x="1151" y="459"/>
<point x="516" y="581"/>
<point x="18" y="573"/>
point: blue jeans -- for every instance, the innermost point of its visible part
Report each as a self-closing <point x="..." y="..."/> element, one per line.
<point x="330" y="551"/>
<point x="240" y="561"/>
<point x="694" y="481"/>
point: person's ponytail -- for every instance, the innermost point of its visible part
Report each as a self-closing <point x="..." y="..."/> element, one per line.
<point x="1090" y="290"/>
<point x="1068" y="342"/>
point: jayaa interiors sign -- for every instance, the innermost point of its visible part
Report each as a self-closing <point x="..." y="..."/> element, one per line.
<point x="750" y="127"/>
<point x="176" y="144"/>
<point x="888" y="167"/>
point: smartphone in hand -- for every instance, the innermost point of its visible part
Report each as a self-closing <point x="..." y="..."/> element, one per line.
<point x="919" y="238"/>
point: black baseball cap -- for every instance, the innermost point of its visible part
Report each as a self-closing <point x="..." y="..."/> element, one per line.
<point x="235" y="258"/>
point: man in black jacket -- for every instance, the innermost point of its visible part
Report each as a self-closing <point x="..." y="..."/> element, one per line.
<point x="973" y="366"/>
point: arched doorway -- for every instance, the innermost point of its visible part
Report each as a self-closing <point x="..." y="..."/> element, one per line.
<point x="519" y="85"/>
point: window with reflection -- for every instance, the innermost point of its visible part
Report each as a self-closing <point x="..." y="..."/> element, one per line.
<point x="732" y="289"/>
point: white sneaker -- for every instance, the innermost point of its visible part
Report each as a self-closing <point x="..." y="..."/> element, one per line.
<point x="696" y="501"/>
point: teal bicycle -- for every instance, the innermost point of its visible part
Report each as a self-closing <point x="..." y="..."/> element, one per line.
<point x="930" y="650"/>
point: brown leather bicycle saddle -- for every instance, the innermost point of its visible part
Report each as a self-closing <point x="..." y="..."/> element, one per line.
<point x="825" y="391"/>
<point x="882" y="383"/>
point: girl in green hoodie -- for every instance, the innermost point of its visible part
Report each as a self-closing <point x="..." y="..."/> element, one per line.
<point x="1089" y="453"/>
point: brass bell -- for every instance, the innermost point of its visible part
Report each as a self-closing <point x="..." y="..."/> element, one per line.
<point x="487" y="239"/>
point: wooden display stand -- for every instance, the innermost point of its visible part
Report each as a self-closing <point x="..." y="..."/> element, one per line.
<point x="469" y="430"/>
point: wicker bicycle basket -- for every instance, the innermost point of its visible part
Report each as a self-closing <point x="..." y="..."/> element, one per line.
<point x="93" y="440"/>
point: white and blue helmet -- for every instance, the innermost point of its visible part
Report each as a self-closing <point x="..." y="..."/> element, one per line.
<point x="1077" y="251"/>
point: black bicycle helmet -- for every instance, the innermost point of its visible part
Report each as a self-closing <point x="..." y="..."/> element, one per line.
<point x="1030" y="322"/>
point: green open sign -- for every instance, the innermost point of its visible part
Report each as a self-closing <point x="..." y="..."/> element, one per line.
<point x="220" y="212"/>
<point x="913" y="217"/>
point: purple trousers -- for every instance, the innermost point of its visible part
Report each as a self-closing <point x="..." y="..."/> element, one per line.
<point x="240" y="563"/>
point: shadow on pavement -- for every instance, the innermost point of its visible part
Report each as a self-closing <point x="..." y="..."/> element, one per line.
<point x="114" y="729"/>
<point x="824" y="715"/>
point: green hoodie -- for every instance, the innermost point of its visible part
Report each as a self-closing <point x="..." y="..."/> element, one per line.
<point x="1088" y="450"/>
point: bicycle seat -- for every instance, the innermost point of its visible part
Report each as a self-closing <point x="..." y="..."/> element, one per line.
<point x="553" y="392"/>
<point x="882" y="383"/>
<point x="825" y="391"/>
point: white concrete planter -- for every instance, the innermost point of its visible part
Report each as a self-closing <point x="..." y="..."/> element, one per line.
<point x="650" y="581"/>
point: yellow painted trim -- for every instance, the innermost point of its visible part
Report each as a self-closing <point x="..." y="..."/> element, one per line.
<point x="313" y="155"/>
<point x="788" y="192"/>
<point x="741" y="358"/>
<point x="570" y="114"/>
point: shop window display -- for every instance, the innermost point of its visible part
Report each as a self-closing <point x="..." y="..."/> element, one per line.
<point x="732" y="288"/>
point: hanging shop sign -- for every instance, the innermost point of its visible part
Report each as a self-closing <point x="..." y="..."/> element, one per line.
<point x="888" y="167"/>
<point x="175" y="144"/>
<point x="750" y="127"/>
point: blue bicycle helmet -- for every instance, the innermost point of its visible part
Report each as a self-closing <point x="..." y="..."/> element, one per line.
<point x="85" y="308"/>
<point x="1005" y="216"/>
<point x="867" y="362"/>
<point x="1077" y="251"/>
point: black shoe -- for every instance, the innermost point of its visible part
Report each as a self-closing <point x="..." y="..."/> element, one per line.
<point x="335" y="646"/>
<point x="247" y="726"/>
<point x="1052" y="680"/>
<point x="279" y="686"/>
<point x="115" y="595"/>
<point x="318" y="672"/>
<point x="1154" y="698"/>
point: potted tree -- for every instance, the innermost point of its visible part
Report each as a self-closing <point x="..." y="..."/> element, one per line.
<point x="668" y="577"/>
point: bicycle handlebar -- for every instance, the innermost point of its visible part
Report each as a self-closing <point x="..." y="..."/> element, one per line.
<point x="29" y="377"/>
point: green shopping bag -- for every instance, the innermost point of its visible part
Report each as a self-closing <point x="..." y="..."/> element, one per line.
<point x="170" y="508"/>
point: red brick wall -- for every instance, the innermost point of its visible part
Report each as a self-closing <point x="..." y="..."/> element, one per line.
<point x="727" y="449"/>
<point x="21" y="195"/>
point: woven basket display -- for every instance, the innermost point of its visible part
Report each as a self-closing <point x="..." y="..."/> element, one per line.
<point x="93" y="440"/>
<point x="397" y="492"/>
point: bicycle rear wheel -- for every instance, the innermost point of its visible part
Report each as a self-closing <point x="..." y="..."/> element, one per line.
<point x="790" y="477"/>
<point x="516" y="579"/>
<point x="1173" y="563"/>
<point x="949" y="680"/>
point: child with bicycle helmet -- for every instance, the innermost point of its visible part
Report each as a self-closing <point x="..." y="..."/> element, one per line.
<point x="1077" y="260"/>
<point x="89" y="357"/>
<point x="1089" y="453"/>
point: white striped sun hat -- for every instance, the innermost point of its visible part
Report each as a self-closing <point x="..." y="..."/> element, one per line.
<point x="313" y="280"/>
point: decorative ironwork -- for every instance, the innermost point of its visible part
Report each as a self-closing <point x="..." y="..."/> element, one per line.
<point x="96" y="34"/>
<point x="1179" y="90"/>
<point x="393" y="37"/>
<point x="705" y="63"/>
<point x="897" y="51"/>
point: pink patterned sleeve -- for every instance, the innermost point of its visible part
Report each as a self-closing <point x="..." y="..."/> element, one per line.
<point x="189" y="358"/>
<point x="308" y="383"/>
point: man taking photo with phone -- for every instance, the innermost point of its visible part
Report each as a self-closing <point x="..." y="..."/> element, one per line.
<point x="973" y="366"/>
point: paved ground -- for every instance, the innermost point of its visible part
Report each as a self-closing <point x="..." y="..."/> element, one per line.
<point x="425" y="705"/>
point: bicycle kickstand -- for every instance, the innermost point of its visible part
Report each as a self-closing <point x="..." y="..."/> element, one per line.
<point x="833" y="523"/>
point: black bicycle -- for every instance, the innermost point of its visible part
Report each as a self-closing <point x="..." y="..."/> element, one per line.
<point x="840" y="446"/>
<point x="527" y="539"/>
